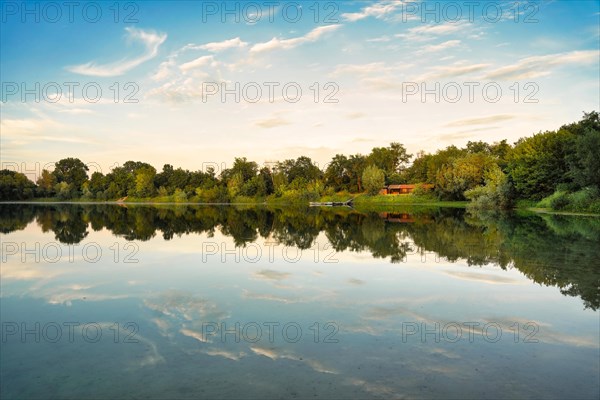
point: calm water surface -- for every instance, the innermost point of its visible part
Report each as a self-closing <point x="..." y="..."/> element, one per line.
<point x="107" y="301"/>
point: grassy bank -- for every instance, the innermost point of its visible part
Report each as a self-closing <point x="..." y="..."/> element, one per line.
<point x="394" y="200"/>
<point x="362" y="202"/>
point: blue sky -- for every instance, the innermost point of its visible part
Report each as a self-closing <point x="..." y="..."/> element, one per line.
<point x="373" y="59"/>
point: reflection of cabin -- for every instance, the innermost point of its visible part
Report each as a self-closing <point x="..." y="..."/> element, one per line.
<point x="405" y="218"/>
<point x="403" y="189"/>
<point x="397" y="217"/>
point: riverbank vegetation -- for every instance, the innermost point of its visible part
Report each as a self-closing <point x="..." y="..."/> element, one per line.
<point x="557" y="170"/>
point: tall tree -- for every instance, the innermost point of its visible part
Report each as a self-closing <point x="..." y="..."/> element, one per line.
<point x="46" y="182"/>
<point x="72" y="171"/>
<point x="337" y="174"/>
<point x="392" y="159"/>
<point x="537" y="164"/>
<point x="373" y="179"/>
<point x="15" y="186"/>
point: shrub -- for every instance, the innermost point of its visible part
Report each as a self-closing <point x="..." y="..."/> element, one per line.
<point x="581" y="200"/>
<point x="584" y="200"/>
<point x="179" y="196"/>
<point x="560" y="201"/>
<point x="594" y="207"/>
<point x="495" y="195"/>
<point x="546" y="202"/>
<point x="421" y="190"/>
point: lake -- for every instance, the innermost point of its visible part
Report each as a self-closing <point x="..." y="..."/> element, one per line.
<point x="140" y="301"/>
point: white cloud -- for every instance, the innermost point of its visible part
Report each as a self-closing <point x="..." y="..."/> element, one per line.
<point x="361" y="69"/>
<point x="151" y="42"/>
<point x="537" y="66"/>
<point x="286" y="44"/>
<point x="224" y="45"/>
<point x="271" y="122"/>
<point x="378" y="10"/>
<point x="481" y="120"/>
<point x="440" y="47"/>
<point x="355" y="115"/>
<point x="430" y="31"/>
<point x="28" y="131"/>
<point x="450" y="71"/>
<point x="198" y="62"/>
<point x="26" y="126"/>
<point x="76" y="111"/>
<point x="164" y="69"/>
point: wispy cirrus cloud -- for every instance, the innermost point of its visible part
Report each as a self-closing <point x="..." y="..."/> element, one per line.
<point x="286" y="44"/>
<point x="537" y="66"/>
<point x="76" y="111"/>
<point x="151" y="42"/>
<point x="378" y="10"/>
<point x="35" y="130"/>
<point x="481" y="120"/>
<point x="431" y="31"/>
<point x="360" y="69"/>
<point x="197" y="63"/>
<point x="272" y="122"/>
<point x="451" y="71"/>
<point x="216" y="47"/>
<point x="441" y="47"/>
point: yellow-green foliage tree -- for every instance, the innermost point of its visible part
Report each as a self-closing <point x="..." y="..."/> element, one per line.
<point x="373" y="179"/>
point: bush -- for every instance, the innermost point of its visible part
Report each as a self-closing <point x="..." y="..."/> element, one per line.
<point x="584" y="200"/>
<point x="560" y="202"/>
<point x="546" y="202"/>
<point x="495" y="195"/>
<point x="421" y="190"/>
<point x="581" y="200"/>
<point x="64" y="191"/>
<point x="179" y="196"/>
<point x="594" y="207"/>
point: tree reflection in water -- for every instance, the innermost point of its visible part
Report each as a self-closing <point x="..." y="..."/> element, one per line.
<point x="552" y="250"/>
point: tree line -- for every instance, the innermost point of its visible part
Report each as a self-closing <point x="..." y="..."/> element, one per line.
<point x="559" y="167"/>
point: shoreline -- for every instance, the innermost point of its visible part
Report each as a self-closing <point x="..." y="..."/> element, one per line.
<point x="359" y="206"/>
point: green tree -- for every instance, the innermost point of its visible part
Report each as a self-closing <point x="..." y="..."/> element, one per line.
<point x="462" y="174"/>
<point x="391" y="160"/>
<point x="585" y="171"/>
<point x="247" y="169"/>
<point x="583" y="160"/>
<point x="303" y="167"/>
<point x="97" y="184"/>
<point x="64" y="191"/>
<point x="373" y="179"/>
<point x="440" y="159"/>
<point x="15" y="186"/>
<point x="234" y="184"/>
<point x="267" y="177"/>
<point x="478" y="147"/>
<point x="356" y="166"/>
<point x="537" y="164"/>
<point x="417" y="172"/>
<point x="144" y="181"/>
<point x="46" y="182"/>
<point x="255" y="187"/>
<point x="337" y="174"/>
<point x="72" y="171"/>
<point x="496" y="194"/>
